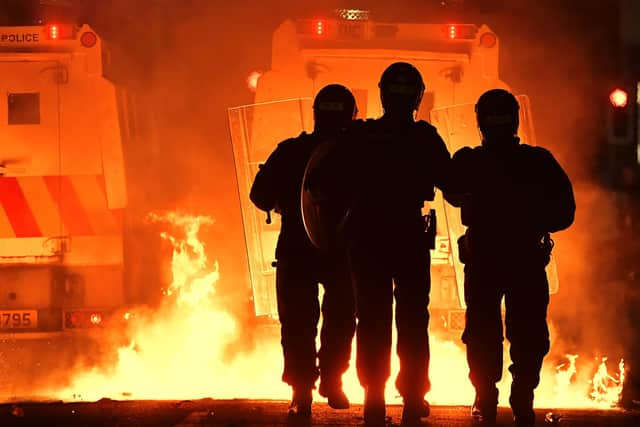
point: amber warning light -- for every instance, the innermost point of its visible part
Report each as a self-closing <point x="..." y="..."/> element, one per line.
<point x="320" y="27"/>
<point x="619" y="98"/>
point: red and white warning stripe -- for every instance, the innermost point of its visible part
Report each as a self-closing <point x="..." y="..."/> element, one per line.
<point x="40" y="206"/>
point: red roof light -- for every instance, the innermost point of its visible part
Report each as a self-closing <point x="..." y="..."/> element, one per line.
<point x="59" y="32"/>
<point x="54" y="32"/>
<point x="452" y="31"/>
<point x="460" y="31"/>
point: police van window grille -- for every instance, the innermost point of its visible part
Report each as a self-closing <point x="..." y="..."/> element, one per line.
<point x="24" y="108"/>
<point x="426" y="106"/>
<point x="361" y="97"/>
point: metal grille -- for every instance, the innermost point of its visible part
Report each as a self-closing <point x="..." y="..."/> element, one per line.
<point x="353" y="14"/>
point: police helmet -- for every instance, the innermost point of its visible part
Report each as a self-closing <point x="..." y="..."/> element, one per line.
<point x="334" y="106"/>
<point x="401" y="87"/>
<point x="497" y="113"/>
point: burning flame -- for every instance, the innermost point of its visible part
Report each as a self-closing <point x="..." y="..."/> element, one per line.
<point x="182" y="351"/>
<point x="571" y="388"/>
<point x="607" y="389"/>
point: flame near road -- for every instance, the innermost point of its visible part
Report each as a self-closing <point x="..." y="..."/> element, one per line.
<point x="180" y="351"/>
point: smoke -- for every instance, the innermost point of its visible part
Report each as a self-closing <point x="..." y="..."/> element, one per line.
<point x="188" y="62"/>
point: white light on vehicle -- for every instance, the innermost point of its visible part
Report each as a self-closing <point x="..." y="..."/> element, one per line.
<point x="252" y="80"/>
<point x="95" y="318"/>
<point x="618" y="98"/>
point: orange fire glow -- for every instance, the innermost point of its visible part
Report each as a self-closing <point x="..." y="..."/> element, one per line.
<point x="180" y="351"/>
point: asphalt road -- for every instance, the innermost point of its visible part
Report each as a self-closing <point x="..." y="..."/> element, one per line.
<point x="235" y="413"/>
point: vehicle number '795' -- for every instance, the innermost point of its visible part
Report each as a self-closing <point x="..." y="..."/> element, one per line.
<point x="16" y="319"/>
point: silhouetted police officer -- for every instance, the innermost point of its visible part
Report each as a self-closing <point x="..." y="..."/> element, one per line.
<point x="512" y="196"/>
<point x="300" y="266"/>
<point x="392" y="165"/>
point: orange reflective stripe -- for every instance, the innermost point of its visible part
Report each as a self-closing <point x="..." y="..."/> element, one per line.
<point x="116" y="213"/>
<point x="71" y="210"/>
<point x="17" y="209"/>
<point x="42" y="205"/>
<point x="36" y="206"/>
<point x="6" y="230"/>
<point x="94" y="203"/>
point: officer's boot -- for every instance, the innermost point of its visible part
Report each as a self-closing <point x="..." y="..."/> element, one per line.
<point x="414" y="408"/>
<point x="521" y="401"/>
<point x="630" y="398"/>
<point x="331" y="388"/>
<point x="485" y="406"/>
<point x="301" y="402"/>
<point x="374" y="406"/>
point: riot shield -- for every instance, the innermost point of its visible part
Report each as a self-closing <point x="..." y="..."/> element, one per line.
<point x="325" y="197"/>
<point x="457" y="126"/>
<point x="313" y="197"/>
<point x="256" y="130"/>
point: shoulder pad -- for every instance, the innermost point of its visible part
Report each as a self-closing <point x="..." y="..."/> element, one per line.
<point x="423" y="125"/>
<point x="300" y="138"/>
<point x="355" y="127"/>
<point x="536" y="150"/>
<point x="424" y="129"/>
<point x="465" y="152"/>
<point x="359" y="124"/>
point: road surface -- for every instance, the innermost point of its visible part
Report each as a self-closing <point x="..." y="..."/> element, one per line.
<point x="237" y="413"/>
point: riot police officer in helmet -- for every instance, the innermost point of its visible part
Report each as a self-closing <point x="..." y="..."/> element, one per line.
<point x="301" y="267"/>
<point x="393" y="164"/>
<point x="512" y="196"/>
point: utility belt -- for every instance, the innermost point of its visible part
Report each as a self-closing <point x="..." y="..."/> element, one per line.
<point x="414" y="230"/>
<point x="430" y="228"/>
<point x="539" y="252"/>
